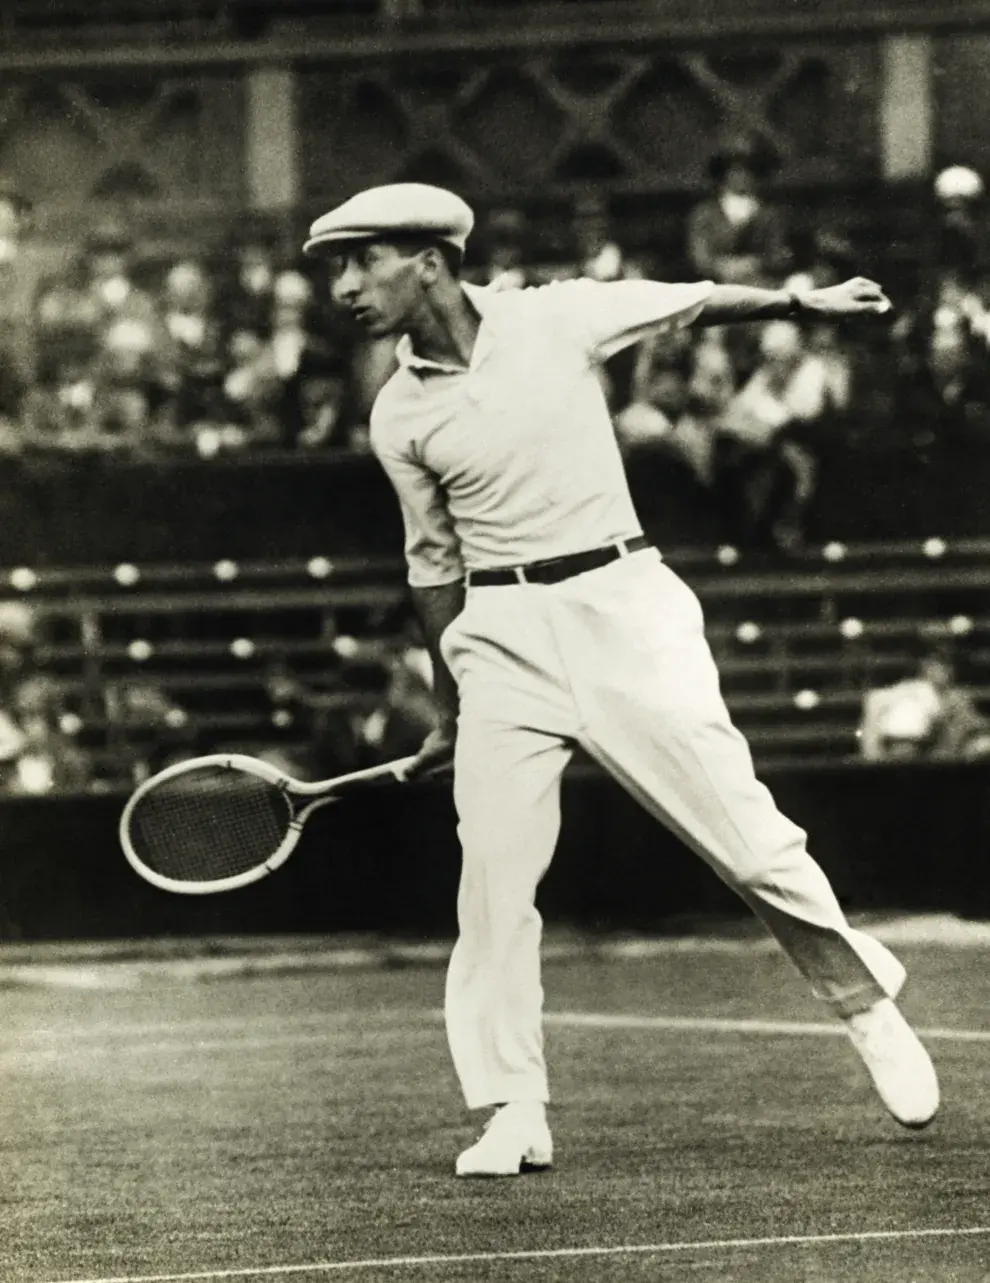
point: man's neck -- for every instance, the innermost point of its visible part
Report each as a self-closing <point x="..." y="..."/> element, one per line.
<point x="446" y="328"/>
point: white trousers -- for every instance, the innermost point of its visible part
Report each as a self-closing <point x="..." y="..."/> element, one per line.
<point x="616" y="661"/>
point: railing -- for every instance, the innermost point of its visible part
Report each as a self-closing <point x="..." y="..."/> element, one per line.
<point x="796" y="648"/>
<point x="240" y="29"/>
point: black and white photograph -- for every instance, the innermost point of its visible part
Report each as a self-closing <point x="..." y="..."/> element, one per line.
<point x="494" y="641"/>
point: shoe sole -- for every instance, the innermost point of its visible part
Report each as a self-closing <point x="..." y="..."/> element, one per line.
<point x="527" y="1167"/>
<point x="916" y="1127"/>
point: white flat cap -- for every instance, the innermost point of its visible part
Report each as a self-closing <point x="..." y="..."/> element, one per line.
<point x="398" y="209"/>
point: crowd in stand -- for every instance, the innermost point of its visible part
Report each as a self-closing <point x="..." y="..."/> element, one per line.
<point x="117" y="354"/>
<point x="111" y="351"/>
<point x="106" y="350"/>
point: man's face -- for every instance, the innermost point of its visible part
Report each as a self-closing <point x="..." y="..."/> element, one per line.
<point x="938" y="672"/>
<point x="948" y="353"/>
<point x="739" y="179"/>
<point x="379" y="285"/>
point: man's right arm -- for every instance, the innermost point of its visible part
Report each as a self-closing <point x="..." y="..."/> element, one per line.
<point x="437" y="607"/>
<point x="436" y="582"/>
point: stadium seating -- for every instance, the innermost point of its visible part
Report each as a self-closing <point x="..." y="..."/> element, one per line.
<point x="796" y="648"/>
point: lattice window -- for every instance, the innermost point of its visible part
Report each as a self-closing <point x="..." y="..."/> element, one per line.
<point x="637" y="120"/>
<point x="145" y="138"/>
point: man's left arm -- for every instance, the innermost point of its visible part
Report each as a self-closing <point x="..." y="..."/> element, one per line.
<point x="726" y="304"/>
<point x="606" y="317"/>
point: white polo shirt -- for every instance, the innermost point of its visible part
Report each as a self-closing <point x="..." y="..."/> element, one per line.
<point x="514" y="459"/>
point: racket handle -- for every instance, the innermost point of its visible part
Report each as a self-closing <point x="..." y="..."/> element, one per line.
<point x="385" y="770"/>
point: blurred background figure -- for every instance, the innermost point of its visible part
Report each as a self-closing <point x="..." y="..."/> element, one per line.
<point x="953" y="288"/>
<point x="736" y="235"/>
<point x="766" y="456"/>
<point x="927" y="715"/>
<point x="406" y="712"/>
<point x="38" y="752"/>
<point x="819" y="258"/>
<point x="959" y="234"/>
<point x="597" y="253"/>
<point x="505" y="258"/>
<point x="248" y="288"/>
<point x="599" y="257"/>
<point x="146" y="729"/>
<point x="20" y="277"/>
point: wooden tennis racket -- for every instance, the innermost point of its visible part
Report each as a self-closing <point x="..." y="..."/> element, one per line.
<point x="224" y="821"/>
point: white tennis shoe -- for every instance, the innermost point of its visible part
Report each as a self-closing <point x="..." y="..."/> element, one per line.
<point x="901" y="1068"/>
<point x="516" y="1139"/>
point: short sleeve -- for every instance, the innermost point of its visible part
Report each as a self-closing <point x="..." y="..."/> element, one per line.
<point x="431" y="547"/>
<point x="611" y="315"/>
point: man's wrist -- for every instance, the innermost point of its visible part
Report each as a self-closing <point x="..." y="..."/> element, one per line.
<point x="447" y="721"/>
<point x="796" y="304"/>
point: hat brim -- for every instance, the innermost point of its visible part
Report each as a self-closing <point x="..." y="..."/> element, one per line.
<point x="330" y="242"/>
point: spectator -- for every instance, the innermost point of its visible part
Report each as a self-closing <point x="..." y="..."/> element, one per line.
<point x="248" y="297"/>
<point x="504" y="267"/>
<point x="253" y="395"/>
<point x="108" y="262"/>
<point x="943" y="402"/>
<point x="129" y="385"/>
<point x="310" y="372"/>
<point x="37" y="752"/>
<point x="598" y="255"/>
<point x="325" y="724"/>
<point x="50" y="760"/>
<point x="735" y="236"/>
<point x="59" y="414"/>
<point x="146" y="729"/>
<point x="668" y="417"/>
<point x="407" y="711"/>
<point x="766" y="464"/>
<point x="958" y="242"/>
<point x="927" y="715"/>
<point x="830" y="258"/>
<point x="25" y="263"/>
<point x="67" y="322"/>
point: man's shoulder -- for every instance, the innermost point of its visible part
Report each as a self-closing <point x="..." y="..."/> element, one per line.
<point x="492" y="302"/>
<point x="389" y="412"/>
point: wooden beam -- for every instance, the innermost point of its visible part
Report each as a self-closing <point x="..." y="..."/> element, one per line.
<point x="271" y="138"/>
<point x="906" y="108"/>
<point x="844" y="19"/>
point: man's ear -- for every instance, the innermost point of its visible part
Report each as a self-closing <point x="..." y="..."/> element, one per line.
<point x="430" y="265"/>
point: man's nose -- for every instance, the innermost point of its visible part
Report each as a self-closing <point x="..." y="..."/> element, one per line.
<point x="347" y="286"/>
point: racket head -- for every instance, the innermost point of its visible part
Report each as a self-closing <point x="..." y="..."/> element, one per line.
<point x="210" y="824"/>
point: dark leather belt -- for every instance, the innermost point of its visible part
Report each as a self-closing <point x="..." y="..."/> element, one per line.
<point x="557" y="568"/>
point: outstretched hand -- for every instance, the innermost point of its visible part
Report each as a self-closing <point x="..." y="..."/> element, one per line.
<point x="857" y="297"/>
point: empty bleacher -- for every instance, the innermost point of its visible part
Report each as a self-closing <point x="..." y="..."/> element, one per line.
<point x="796" y="646"/>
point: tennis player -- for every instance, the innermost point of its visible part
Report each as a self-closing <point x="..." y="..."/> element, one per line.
<point x="553" y="623"/>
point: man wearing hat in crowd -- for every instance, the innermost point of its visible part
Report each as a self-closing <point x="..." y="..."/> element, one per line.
<point x="25" y="263"/>
<point x="552" y="623"/>
<point x="735" y="236"/>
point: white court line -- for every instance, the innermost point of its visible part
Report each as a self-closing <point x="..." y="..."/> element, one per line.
<point x="543" y="1254"/>
<point x="56" y="1050"/>
<point x="727" y="1025"/>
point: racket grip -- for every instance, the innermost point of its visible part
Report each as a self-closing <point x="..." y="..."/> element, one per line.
<point x="400" y="769"/>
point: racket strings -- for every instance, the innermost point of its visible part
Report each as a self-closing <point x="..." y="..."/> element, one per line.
<point x="212" y="823"/>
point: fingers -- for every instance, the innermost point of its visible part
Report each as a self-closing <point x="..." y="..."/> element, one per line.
<point x="429" y="763"/>
<point x="870" y="296"/>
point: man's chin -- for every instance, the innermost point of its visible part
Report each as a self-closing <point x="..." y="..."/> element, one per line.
<point x="375" y="327"/>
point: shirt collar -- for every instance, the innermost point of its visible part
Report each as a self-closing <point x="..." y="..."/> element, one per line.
<point x="481" y="301"/>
